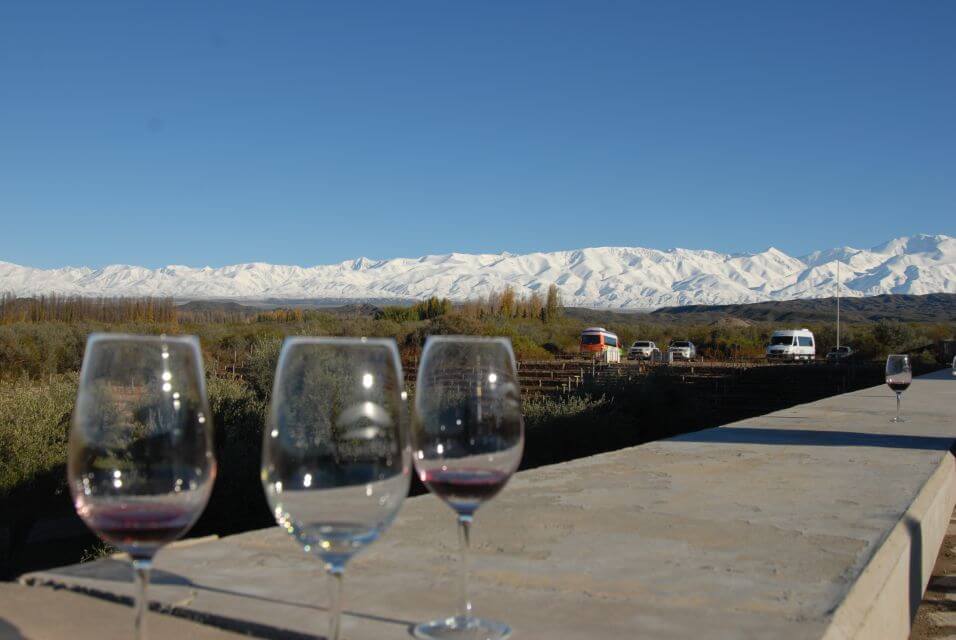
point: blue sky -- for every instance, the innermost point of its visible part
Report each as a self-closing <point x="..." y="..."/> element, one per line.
<point x="309" y="132"/>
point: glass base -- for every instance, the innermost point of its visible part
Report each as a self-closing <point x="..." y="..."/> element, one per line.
<point x="462" y="628"/>
<point x="899" y="419"/>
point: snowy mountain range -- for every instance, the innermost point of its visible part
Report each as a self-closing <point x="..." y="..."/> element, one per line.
<point x="608" y="277"/>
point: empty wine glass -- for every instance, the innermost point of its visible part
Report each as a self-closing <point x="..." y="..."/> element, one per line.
<point x="141" y="463"/>
<point x="467" y="440"/>
<point x="899" y="375"/>
<point x="335" y="459"/>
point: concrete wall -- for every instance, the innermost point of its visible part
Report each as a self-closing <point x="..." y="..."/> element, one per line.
<point x="818" y="521"/>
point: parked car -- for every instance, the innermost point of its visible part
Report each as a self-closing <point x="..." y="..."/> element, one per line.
<point x="682" y="350"/>
<point x="792" y="344"/>
<point x="644" y="350"/>
<point x="840" y="354"/>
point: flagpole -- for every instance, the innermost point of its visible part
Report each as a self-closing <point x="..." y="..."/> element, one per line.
<point x="838" y="304"/>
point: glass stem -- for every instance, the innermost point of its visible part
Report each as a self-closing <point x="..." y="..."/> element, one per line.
<point x="141" y="569"/>
<point x="336" y="573"/>
<point x="898" y="395"/>
<point x="464" y="543"/>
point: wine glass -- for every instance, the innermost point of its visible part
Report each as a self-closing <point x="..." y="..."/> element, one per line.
<point x="141" y="463"/>
<point x="899" y="375"/>
<point x="335" y="459"/>
<point x="467" y="440"/>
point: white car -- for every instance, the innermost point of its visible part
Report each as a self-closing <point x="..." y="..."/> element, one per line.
<point x="792" y="344"/>
<point x="643" y="350"/>
<point x="682" y="349"/>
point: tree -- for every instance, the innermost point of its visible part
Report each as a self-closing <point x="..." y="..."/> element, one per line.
<point x="508" y="302"/>
<point x="552" y="306"/>
<point x="433" y="308"/>
<point x="535" y="306"/>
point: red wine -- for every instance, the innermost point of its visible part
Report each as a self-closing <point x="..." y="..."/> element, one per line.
<point x="899" y="387"/>
<point x="465" y="489"/>
<point x="137" y="524"/>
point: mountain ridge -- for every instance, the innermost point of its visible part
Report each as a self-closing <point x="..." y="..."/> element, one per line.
<point x="630" y="278"/>
<point x="931" y="307"/>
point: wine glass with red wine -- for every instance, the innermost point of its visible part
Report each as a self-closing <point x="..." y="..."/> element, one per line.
<point x="899" y="375"/>
<point x="467" y="440"/>
<point x="335" y="459"/>
<point x="141" y="464"/>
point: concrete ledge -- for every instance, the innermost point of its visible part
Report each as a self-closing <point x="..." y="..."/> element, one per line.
<point x="819" y="521"/>
<point x="37" y="614"/>
<point x="882" y="602"/>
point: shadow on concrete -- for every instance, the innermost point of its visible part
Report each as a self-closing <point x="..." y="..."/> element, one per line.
<point x="915" y="531"/>
<point x="815" y="438"/>
<point x="115" y="570"/>
<point x="9" y="631"/>
<point x="112" y="570"/>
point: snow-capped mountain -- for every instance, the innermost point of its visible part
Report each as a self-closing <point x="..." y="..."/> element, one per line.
<point x="615" y="277"/>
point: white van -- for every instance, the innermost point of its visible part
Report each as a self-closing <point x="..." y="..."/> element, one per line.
<point x="792" y="344"/>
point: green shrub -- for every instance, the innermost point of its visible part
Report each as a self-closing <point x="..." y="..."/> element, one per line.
<point x="894" y="335"/>
<point x="40" y="349"/>
<point x="237" y="500"/>
<point x="34" y="427"/>
<point x="455" y="324"/>
<point x="34" y="432"/>
<point x="526" y="349"/>
<point x="262" y="365"/>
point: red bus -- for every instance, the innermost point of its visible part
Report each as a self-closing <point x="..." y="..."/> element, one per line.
<point x="597" y="340"/>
